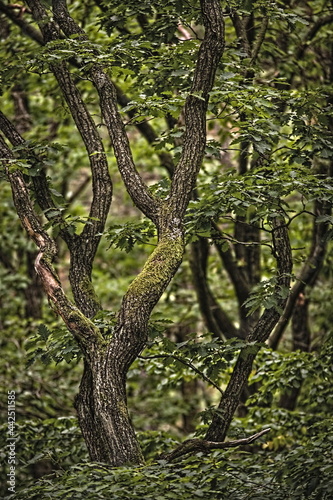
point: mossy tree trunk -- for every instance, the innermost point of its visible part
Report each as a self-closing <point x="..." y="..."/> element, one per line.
<point x="101" y="403"/>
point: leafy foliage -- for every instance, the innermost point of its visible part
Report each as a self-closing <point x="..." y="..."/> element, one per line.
<point x="269" y="154"/>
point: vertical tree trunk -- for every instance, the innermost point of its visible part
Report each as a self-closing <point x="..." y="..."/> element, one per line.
<point x="301" y="341"/>
<point x="103" y="416"/>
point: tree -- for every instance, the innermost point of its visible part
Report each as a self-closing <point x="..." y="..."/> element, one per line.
<point x="280" y="172"/>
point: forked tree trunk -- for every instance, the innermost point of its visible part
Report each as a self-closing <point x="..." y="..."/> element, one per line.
<point x="101" y="403"/>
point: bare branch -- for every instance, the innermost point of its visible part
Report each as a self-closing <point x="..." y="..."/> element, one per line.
<point x="200" y="445"/>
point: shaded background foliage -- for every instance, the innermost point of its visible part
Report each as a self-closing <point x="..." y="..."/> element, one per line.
<point x="269" y="151"/>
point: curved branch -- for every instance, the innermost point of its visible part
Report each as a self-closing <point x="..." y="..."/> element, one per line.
<point x="201" y="445"/>
<point x="210" y="53"/>
<point x="84" y="331"/>
<point x="101" y="182"/>
<point x="134" y="183"/>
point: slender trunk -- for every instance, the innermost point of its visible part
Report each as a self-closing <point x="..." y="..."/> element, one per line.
<point x="260" y="333"/>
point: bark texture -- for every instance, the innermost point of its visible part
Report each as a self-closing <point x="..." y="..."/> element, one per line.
<point x="260" y="333"/>
<point x="101" y="403"/>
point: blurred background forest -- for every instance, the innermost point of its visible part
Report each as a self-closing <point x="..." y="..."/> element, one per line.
<point x="269" y="149"/>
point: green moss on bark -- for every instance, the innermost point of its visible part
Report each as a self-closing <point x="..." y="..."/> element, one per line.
<point x="86" y="287"/>
<point x="158" y="270"/>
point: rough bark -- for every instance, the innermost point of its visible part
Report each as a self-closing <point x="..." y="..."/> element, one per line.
<point x="101" y="403"/>
<point x="301" y="336"/>
<point x="205" y="446"/>
<point x="86" y="334"/>
<point x="309" y="272"/>
<point x="260" y="333"/>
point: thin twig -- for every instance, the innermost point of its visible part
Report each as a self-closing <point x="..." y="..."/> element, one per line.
<point x="186" y="363"/>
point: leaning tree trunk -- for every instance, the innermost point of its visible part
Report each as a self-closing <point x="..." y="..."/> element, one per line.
<point x="260" y="333"/>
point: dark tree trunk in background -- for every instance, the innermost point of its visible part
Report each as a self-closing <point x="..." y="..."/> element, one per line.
<point x="301" y="336"/>
<point x="259" y="334"/>
<point x="34" y="291"/>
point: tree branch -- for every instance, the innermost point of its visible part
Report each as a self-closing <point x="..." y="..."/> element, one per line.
<point x="260" y="333"/>
<point x="186" y="363"/>
<point x="210" y="53"/>
<point x="147" y="131"/>
<point x="308" y="274"/>
<point x="200" y="445"/>
<point x="240" y="29"/>
<point x="259" y="40"/>
<point x="312" y="33"/>
<point x="84" y="248"/>
<point x="19" y="21"/>
<point x="135" y="186"/>
<point x="215" y="318"/>
<point x="39" y="182"/>
<point x="85" y="332"/>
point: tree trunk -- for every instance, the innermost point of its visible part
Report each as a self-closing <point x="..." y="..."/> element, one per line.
<point x="260" y="333"/>
<point x="101" y="403"/>
<point x="103" y="416"/>
<point x="301" y="341"/>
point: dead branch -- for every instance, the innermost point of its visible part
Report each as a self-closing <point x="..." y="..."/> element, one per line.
<point x="201" y="445"/>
